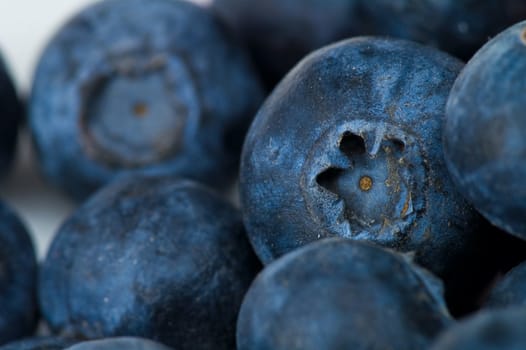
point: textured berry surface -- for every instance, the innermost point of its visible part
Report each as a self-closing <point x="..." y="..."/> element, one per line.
<point x="18" y="277"/>
<point x="349" y="145"/>
<point x="485" y="133"/>
<point x="340" y="294"/>
<point x="157" y="257"/>
<point x="154" y="85"/>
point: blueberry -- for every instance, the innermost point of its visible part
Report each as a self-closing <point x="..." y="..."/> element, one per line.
<point x="485" y="133"/>
<point x="280" y="32"/>
<point x="510" y="290"/>
<point x="18" y="270"/>
<point x="119" y="343"/>
<point x="459" y="27"/>
<point x="153" y="257"/>
<point x="341" y="294"/>
<point x="11" y="115"/>
<point x="487" y="330"/>
<point x="349" y="144"/>
<point x="130" y="84"/>
<point x="39" y="343"/>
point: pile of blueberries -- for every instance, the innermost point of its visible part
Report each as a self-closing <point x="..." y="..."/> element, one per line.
<point x="382" y="202"/>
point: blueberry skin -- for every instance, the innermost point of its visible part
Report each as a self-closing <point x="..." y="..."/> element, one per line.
<point x="39" y="343"/>
<point x="341" y="294"/>
<point x="510" y="290"/>
<point x="153" y="257"/>
<point x="485" y="132"/>
<point x="18" y="278"/>
<point x="349" y="144"/>
<point x="132" y="84"/>
<point x="11" y="116"/>
<point x="487" y="330"/>
<point x="459" y="27"/>
<point x="119" y="343"/>
<point x="279" y="33"/>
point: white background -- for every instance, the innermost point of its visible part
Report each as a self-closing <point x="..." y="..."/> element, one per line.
<point x="25" y="28"/>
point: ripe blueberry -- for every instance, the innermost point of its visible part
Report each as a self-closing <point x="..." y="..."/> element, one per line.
<point x="132" y="84"/>
<point x="156" y="257"/>
<point x="485" y="132"/>
<point x="341" y="294"/>
<point x="349" y="144"/>
<point x="280" y="32"/>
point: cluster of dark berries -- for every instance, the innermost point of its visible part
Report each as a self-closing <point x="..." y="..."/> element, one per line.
<point x="380" y="182"/>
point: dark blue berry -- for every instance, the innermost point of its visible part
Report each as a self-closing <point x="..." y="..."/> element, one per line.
<point x="341" y="294"/>
<point x="159" y="258"/>
<point x="350" y="144"/>
<point x="18" y="277"/>
<point x="132" y="84"/>
<point x="485" y="133"/>
<point x="280" y="32"/>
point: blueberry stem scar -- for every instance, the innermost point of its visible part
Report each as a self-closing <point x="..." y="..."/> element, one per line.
<point x="366" y="183"/>
<point x="140" y="109"/>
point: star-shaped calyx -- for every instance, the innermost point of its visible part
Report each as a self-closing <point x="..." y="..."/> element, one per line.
<point x="376" y="187"/>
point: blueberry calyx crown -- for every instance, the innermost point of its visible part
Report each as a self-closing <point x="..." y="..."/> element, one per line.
<point x="374" y="176"/>
<point x="135" y="108"/>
